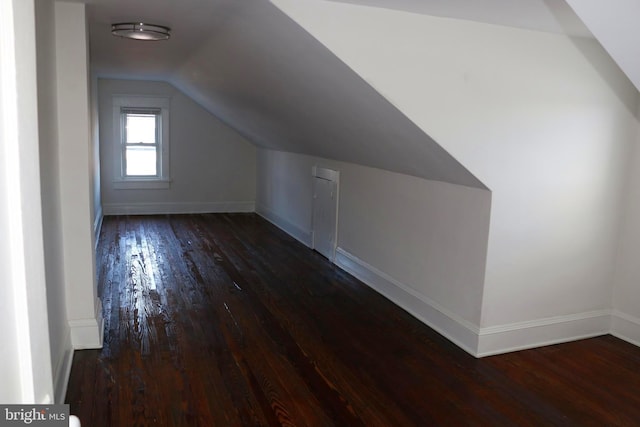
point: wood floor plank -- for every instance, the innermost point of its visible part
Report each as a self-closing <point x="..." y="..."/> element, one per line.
<point x="224" y="320"/>
<point x="331" y="369"/>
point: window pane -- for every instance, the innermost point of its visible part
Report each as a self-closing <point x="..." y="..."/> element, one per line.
<point x="141" y="161"/>
<point x="141" y="128"/>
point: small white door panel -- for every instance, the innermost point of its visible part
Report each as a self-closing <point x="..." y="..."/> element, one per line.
<point x="325" y="212"/>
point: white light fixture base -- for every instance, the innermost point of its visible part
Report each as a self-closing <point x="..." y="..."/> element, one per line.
<point x="141" y="31"/>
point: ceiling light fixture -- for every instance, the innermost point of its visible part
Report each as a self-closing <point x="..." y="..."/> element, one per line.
<point x="140" y="31"/>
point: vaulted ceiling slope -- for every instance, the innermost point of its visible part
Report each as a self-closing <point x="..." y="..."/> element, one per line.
<point x="262" y="74"/>
<point x="553" y="16"/>
<point x="615" y="24"/>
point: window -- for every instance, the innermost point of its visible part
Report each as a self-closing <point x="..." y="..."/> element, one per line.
<point x="141" y="148"/>
<point x="141" y="145"/>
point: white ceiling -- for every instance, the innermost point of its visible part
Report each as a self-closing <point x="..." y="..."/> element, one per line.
<point x="553" y="16"/>
<point x="615" y="24"/>
<point x="195" y="20"/>
<point x="262" y="74"/>
<point x="191" y="22"/>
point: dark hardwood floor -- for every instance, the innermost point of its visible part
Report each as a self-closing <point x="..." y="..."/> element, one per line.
<point x="223" y="320"/>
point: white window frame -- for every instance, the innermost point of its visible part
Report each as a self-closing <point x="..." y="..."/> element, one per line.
<point x="122" y="103"/>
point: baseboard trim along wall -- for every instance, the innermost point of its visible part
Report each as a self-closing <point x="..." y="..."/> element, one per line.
<point x="62" y="370"/>
<point x="88" y="333"/>
<point x="97" y="225"/>
<point x="479" y="342"/>
<point x="542" y="332"/>
<point x="301" y="235"/>
<point x="462" y="333"/>
<point x="177" y="208"/>
<point x="625" y="327"/>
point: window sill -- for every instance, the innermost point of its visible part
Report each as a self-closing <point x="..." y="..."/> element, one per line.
<point x="142" y="184"/>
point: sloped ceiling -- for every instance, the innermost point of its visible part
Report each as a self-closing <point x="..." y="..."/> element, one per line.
<point x="262" y="74"/>
<point x="259" y="72"/>
<point x="280" y="88"/>
<point x="615" y="24"/>
<point x="553" y="16"/>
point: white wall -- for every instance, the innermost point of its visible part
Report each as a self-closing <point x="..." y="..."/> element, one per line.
<point x="212" y="168"/>
<point x="25" y="356"/>
<point x="284" y="191"/>
<point x="626" y="295"/>
<point x="59" y="331"/>
<point x="542" y="120"/>
<point x="84" y="309"/>
<point x="420" y="243"/>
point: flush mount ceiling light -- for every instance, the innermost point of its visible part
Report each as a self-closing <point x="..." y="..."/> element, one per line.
<point x="140" y="31"/>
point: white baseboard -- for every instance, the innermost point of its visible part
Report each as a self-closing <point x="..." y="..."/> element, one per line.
<point x="301" y="235"/>
<point x="62" y="370"/>
<point x="176" y="208"/>
<point x="88" y="333"/>
<point x="542" y="332"/>
<point x="481" y="342"/>
<point x="461" y="332"/>
<point x="625" y="327"/>
<point x="97" y="225"/>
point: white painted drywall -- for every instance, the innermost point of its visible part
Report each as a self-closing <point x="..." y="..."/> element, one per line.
<point x="212" y="168"/>
<point x="626" y="293"/>
<point x="284" y="192"/>
<point x="10" y="367"/>
<point x="59" y="332"/>
<point x="75" y="175"/>
<point x="615" y="24"/>
<point x="25" y="357"/>
<point x="261" y="74"/>
<point x="543" y="120"/>
<point x="428" y="236"/>
<point x="540" y="15"/>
